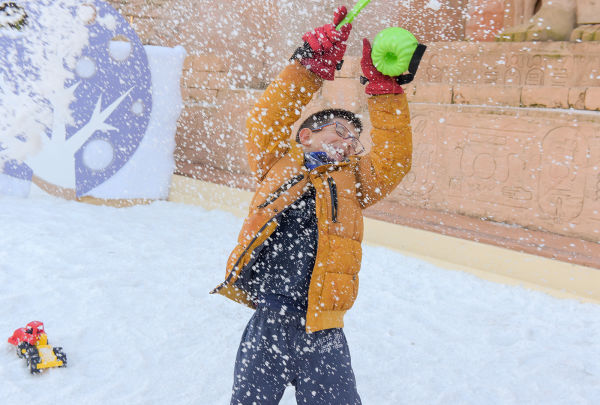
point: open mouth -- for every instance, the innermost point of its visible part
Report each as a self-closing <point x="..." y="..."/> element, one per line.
<point x="334" y="153"/>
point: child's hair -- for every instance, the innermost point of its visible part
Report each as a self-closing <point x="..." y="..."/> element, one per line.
<point x="326" y="116"/>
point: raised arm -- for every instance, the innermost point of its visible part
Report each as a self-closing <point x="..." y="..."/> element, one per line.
<point x="390" y="159"/>
<point x="270" y="122"/>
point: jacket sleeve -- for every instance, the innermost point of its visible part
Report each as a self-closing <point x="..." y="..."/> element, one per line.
<point x="270" y="122"/>
<point x="379" y="172"/>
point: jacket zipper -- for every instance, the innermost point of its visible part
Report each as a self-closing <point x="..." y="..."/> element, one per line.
<point x="334" y="199"/>
<point x="282" y="189"/>
<point x="233" y="268"/>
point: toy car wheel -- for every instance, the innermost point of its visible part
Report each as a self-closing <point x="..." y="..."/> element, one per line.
<point x="22" y="349"/>
<point x="31" y="352"/>
<point x="60" y="355"/>
<point x="33" y="359"/>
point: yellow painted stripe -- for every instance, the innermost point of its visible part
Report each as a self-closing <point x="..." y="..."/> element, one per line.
<point x="559" y="279"/>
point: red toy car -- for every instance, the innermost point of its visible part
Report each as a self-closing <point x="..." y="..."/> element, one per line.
<point x="32" y="344"/>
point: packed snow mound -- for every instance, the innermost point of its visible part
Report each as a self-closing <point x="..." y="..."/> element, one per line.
<point x="125" y="293"/>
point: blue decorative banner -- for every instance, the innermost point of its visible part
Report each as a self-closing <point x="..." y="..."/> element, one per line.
<point x="76" y="88"/>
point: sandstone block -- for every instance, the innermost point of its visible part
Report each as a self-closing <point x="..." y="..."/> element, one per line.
<point x="228" y="132"/>
<point x="188" y="63"/>
<point x="216" y="148"/>
<point x="144" y="28"/>
<point x="588" y="12"/>
<point x="191" y="95"/>
<point x="577" y="98"/>
<point x="205" y="80"/>
<point x="142" y="10"/>
<point x="129" y="8"/>
<point x="410" y="90"/>
<point x="237" y="101"/>
<point x="207" y="63"/>
<point x="431" y="93"/>
<point x="548" y="97"/>
<point x="592" y="98"/>
<point x="486" y="95"/>
<point x="444" y="22"/>
<point x="484" y="19"/>
<point x="191" y="155"/>
<point x="192" y="124"/>
<point x="350" y="68"/>
<point x="343" y="93"/>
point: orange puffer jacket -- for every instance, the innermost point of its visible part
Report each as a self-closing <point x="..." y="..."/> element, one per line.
<point x="342" y="191"/>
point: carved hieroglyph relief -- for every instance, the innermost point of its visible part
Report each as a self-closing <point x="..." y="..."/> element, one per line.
<point x="562" y="174"/>
<point x="534" y="170"/>
<point x="550" y="64"/>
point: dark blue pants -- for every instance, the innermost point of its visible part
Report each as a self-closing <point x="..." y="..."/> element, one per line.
<point x="276" y="351"/>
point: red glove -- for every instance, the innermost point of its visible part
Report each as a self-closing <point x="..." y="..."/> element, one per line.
<point x="378" y="82"/>
<point x="325" y="46"/>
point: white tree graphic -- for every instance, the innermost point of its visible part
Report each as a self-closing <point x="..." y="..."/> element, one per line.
<point x="55" y="161"/>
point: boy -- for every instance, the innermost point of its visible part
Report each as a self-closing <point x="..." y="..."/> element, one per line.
<point x="299" y="250"/>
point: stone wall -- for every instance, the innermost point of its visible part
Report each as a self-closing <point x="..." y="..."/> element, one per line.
<point x="548" y="75"/>
<point x="507" y="136"/>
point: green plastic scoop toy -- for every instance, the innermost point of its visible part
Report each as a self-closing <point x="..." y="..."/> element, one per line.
<point x="393" y="49"/>
<point x="353" y="13"/>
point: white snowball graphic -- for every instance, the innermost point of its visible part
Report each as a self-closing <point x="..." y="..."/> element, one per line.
<point x="98" y="154"/>
<point x="119" y="49"/>
<point x="85" y="68"/>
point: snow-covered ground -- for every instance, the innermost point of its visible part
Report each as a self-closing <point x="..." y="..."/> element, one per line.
<point x="125" y="292"/>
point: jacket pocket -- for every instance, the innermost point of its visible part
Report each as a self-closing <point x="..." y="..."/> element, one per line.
<point x="281" y="189"/>
<point x="339" y="291"/>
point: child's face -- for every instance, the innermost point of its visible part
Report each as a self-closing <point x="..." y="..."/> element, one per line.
<point x="329" y="141"/>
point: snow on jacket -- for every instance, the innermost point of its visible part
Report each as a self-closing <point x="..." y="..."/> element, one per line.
<point x="342" y="190"/>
